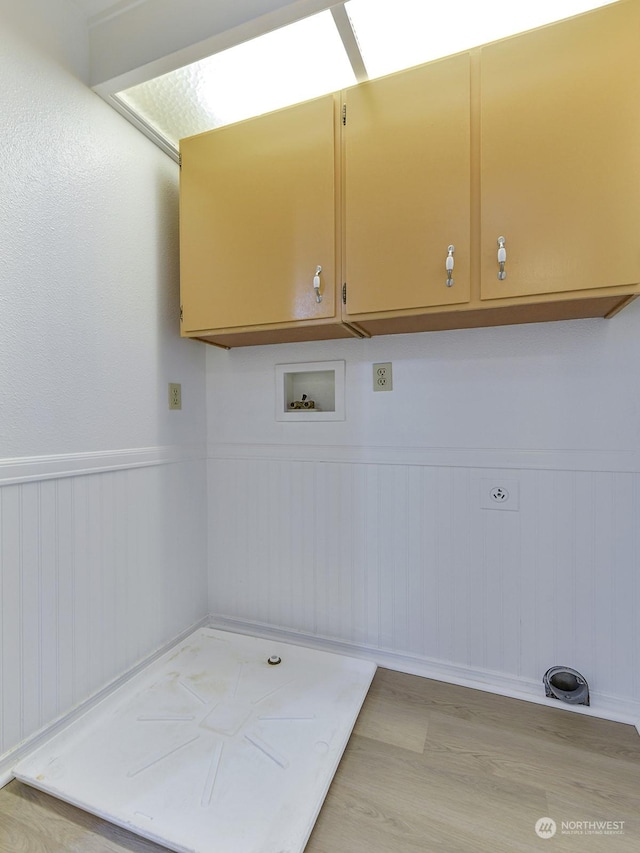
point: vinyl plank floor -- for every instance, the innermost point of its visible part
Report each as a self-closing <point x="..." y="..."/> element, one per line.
<point x="34" y="822"/>
<point x="429" y="767"/>
<point x="399" y="720"/>
<point x="529" y="757"/>
<point x="490" y="767"/>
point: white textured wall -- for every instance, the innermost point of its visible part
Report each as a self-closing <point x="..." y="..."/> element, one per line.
<point x="88" y="270"/>
<point x="370" y="531"/>
<point x="99" y="568"/>
<point x="56" y="30"/>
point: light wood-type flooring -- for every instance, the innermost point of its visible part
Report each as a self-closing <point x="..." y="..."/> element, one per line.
<point x="429" y="767"/>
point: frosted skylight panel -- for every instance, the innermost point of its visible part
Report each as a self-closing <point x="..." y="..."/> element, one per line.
<point x="395" y="34"/>
<point x="298" y="62"/>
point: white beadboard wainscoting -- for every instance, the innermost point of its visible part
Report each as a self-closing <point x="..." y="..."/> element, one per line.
<point x="388" y="550"/>
<point x="102" y="561"/>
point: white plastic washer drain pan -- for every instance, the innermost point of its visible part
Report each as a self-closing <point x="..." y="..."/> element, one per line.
<point x="210" y="748"/>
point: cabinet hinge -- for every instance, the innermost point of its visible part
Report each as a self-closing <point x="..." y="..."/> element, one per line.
<point x="181" y="313"/>
<point x="344" y="293"/>
<point x="180" y="160"/>
<point x="344" y="114"/>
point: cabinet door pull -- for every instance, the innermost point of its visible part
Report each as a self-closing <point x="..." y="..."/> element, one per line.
<point x="316" y="283"/>
<point x="502" y="257"/>
<point x="449" y="265"/>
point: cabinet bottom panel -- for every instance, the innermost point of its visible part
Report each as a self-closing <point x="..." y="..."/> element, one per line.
<point x="296" y="334"/>
<point x="572" y="309"/>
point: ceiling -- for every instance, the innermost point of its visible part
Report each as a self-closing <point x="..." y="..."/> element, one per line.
<point x="99" y="8"/>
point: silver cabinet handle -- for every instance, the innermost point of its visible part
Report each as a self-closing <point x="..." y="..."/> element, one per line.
<point x="502" y="258"/>
<point x="316" y="283"/>
<point x="449" y="265"/>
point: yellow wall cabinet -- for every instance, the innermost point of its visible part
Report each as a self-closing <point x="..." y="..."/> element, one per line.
<point x="560" y="159"/>
<point x="258" y="230"/>
<point x="496" y="186"/>
<point x="553" y="169"/>
<point x="407" y="186"/>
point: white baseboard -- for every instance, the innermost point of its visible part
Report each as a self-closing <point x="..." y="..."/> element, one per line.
<point x="9" y="760"/>
<point x="605" y="707"/>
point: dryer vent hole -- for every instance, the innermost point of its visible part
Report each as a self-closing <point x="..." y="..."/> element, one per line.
<point x="564" y="681"/>
<point x="566" y="685"/>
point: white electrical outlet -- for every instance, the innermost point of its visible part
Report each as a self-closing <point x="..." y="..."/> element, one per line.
<point x="499" y="493"/>
<point x="382" y="377"/>
<point x="175" y="395"/>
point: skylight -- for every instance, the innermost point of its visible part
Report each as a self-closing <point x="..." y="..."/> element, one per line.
<point x="302" y="61"/>
<point x="395" y="34"/>
<point x="324" y="53"/>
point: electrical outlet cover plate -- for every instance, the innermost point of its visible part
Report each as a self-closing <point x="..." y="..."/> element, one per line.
<point x="382" y="377"/>
<point x="175" y="395"/>
<point x="499" y="493"/>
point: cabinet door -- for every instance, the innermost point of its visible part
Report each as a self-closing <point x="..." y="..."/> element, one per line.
<point x="407" y="176"/>
<point x="257" y="216"/>
<point x="560" y="157"/>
